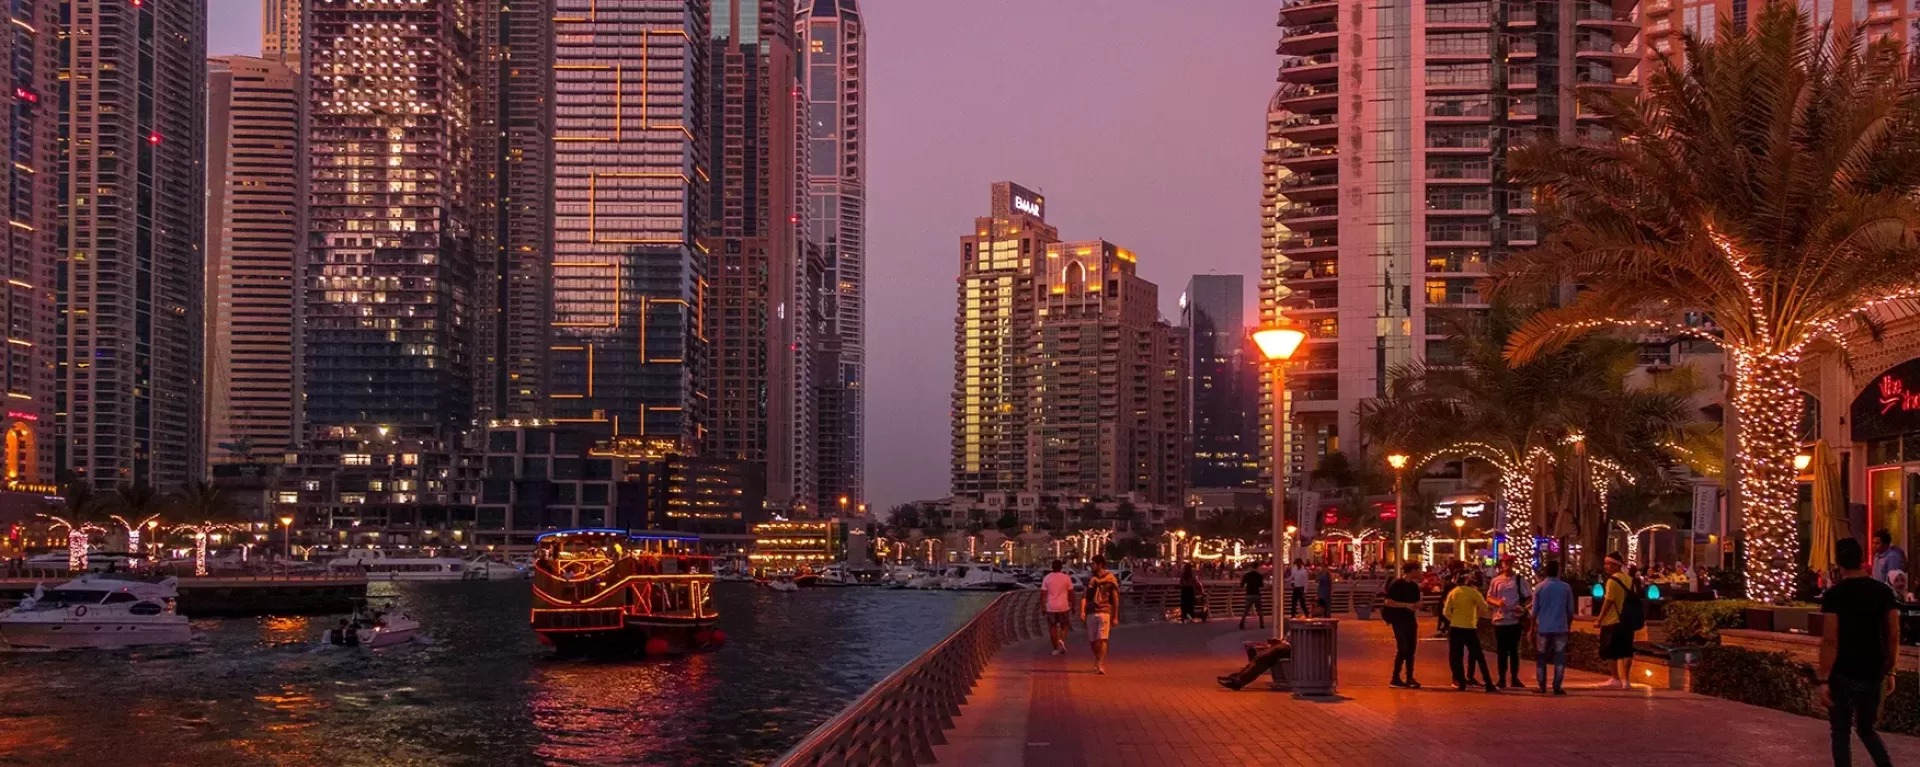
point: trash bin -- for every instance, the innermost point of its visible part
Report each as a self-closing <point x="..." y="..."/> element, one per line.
<point x="1315" y="666"/>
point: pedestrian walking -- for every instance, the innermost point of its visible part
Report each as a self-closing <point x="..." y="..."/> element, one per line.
<point x="1464" y="608"/>
<point x="1100" y="610"/>
<point x="1189" y="594"/>
<point x="1297" y="589"/>
<point x="1250" y="585"/>
<point x="1859" y="640"/>
<point x="1397" y="609"/>
<point x="1616" y="633"/>
<point x="1553" y="610"/>
<point x="1323" y="591"/>
<point x="1509" y="594"/>
<point x="1058" y="588"/>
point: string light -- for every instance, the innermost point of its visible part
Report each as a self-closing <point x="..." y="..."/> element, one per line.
<point x="77" y="540"/>
<point x="200" y="533"/>
<point x="1633" y="539"/>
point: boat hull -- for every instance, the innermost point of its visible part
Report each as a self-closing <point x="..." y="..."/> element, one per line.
<point x="74" y="634"/>
<point x="681" y="637"/>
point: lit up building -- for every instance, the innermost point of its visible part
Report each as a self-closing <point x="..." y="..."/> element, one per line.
<point x="833" y="39"/>
<point x="253" y="207"/>
<point x="993" y="383"/>
<point x="629" y="165"/>
<point x="1662" y="22"/>
<point x="362" y="485"/>
<point x="1386" y="193"/>
<point x="786" y="546"/>
<point x="133" y="197"/>
<point x="1108" y="415"/>
<point x="513" y="208"/>
<point x="764" y="277"/>
<point x="280" y="31"/>
<point x="387" y="330"/>
<point x="1223" y="382"/>
<point x="31" y="264"/>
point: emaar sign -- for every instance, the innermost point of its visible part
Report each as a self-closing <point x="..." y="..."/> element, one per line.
<point x="1029" y="207"/>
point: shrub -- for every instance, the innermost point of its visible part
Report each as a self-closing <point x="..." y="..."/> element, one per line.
<point x="1700" y="622"/>
<point x="1771" y="679"/>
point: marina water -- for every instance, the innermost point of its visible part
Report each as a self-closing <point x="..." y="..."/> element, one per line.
<point x="482" y="692"/>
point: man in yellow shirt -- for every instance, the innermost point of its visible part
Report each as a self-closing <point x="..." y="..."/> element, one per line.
<point x="1463" y="610"/>
<point x="1616" y="641"/>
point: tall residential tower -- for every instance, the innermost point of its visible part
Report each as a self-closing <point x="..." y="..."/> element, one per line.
<point x="1002" y="265"/>
<point x="134" y="210"/>
<point x="1223" y="382"/>
<point x="31" y="263"/>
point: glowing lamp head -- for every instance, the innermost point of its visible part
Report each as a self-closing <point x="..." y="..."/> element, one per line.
<point x="1801" y="462"/>
<point x="286" y="521"/>
<point x="1397" y="460"/>
<point x="1599" y="591"/>
<point x="1459" y="523"/>
<point x="1278" y="343"/>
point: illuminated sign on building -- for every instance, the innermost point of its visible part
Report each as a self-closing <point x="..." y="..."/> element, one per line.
<point x="1029" y="207"/>
<point x="1889" y="406"/>
<point x="1467" y="509"/>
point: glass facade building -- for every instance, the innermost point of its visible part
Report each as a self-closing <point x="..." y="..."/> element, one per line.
<point x="1223" y="382"/>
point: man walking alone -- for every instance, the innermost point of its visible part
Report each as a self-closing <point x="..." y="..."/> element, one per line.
<point x="1397" y="609"/>
<point x="1858" y="643"/>
<point x="1251" y="584"/>
<point x="1058" y="587"/>
<point x="1100" y="610"/>
<point x="1552" y="620"/>
<point x="1297" y="589"/>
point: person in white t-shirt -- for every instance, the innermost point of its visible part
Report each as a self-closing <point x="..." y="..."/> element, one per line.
<point x="1058" y="587"/>
<point x="1297" y="589"/>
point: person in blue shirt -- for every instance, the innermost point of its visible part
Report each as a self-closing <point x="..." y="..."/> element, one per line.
<point x="1552" y="619"/>
<point x="1887" y="558"/>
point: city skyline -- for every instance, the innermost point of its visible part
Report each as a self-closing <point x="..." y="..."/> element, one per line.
<point x="1181" y="180"/>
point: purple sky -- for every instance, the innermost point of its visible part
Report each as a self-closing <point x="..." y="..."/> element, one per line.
<point x="1142" y="122"/>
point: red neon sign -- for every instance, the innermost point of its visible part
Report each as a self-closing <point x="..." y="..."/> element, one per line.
<point x="1894" y="395"/>
<point x="19" y="416"/>
<point x="26" y="95"/>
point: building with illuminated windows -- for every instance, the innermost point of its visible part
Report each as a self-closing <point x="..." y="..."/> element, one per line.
<point x="765" y="277"/>
<point x="833" y="41"/>
<point x="31" y="262"/>
<point x="629" y="177"/>
<point x="1066" y="380"/>
<point x="1663" y="22"/>
<point x="1386" y="197"/>
<point x="1223" y="382"/>
<point x="783" y="546"/>
<point x="280" y="31"/>
<point x="253" y="208"/>
<point x="132" y="104"/>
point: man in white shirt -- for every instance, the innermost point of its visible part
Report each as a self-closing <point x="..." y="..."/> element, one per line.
<point x="1297" y="589"/>
<point x="1058" y="587"/>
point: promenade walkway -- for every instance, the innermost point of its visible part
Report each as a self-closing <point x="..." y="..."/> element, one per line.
<point x="1159" y="705"/>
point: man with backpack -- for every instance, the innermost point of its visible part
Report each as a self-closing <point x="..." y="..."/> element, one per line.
<point x="1622" y="612"/>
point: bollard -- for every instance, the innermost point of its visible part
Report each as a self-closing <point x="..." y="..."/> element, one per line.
<point x="1680" y="663"/>
<point x="1314" y="668"/>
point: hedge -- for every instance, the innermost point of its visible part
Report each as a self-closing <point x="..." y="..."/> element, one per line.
<point x="1775" y="680"/>
<point x="1700" y="622"/>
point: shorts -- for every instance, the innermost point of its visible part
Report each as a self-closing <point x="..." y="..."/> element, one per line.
<point x="1615" y="643"/>
<point x="1058" y="619"/>
<point x="1099" y="626"/>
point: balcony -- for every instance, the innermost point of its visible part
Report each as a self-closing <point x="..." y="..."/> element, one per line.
<point x="1603" y="15"/>
<point x="1312" y="300"/>
<point x="1309" y="39"/>
<point x="1311" y="271"/>
<point x="1302" y="12"/>
<point x="1307" y="216"/>
<point x="1303" y="158"/>
<point x="1304" y="128"/>
<point x="1300" y="187"/>
<point x="1472" y="16"/>
<point x="1300" y="247"/>
<point x="1295" y="97"/>
<point x="1320" y="67"/>
<point x="1472" y="263"/>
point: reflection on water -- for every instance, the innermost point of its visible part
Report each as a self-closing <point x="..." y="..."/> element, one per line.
<point x="481" y="692"/>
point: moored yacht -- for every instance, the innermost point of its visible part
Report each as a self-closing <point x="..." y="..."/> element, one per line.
<point x="97" y="611"/>
<point x="380" y="565"/>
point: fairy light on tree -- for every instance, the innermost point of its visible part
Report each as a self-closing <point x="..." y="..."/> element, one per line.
<point x="134" y="528"/>
<point x="1515" y="471"/>
<point x="1633" y="539"/>
<point x="78" y="539"/>
<point x="1796" y="213"/>
<point x="201" y="532"/>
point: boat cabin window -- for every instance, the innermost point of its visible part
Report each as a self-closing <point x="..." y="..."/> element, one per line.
<point x="145" y="608"/>
<point x="120" y="598"/>
<point x="73" y="597"/>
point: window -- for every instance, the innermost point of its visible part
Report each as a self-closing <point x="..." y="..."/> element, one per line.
<point x="120" y="598"/>
<point x="356" y="459"/>
<point x="289" y="496"/>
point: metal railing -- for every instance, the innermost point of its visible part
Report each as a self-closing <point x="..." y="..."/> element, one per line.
<point x="901" y="719"/>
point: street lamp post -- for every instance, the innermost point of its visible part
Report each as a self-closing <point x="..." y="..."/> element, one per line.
<point x="286" y="523"/>
<point x="1460" y="539"/>
<point x="1399" y="463"/>
<point x="1278" y="344"/>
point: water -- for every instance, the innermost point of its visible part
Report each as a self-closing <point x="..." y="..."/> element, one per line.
<point x="483" y="692"/>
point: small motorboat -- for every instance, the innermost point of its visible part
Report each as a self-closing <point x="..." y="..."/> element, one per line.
<point x="783" y="583"/>
<point x="374" y="630"/>
<point x="96" y="611"/>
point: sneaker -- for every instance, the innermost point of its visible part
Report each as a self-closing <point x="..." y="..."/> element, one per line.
<point x="1413" y="685"/>
<point x="1541" y="690"/>
<point x="1491" y="688"/>
<point x="1558" y="691"/>
<point x="1227" y="682"/>
<point x="1101" y="670"/>
<point x="1501" y="683"/>
<point x="1396" y="683"/>
<point x="1058" y="651"/>
<point x="1461" y="686"/>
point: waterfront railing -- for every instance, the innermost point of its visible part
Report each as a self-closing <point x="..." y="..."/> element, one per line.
<point x="901" y="719"/>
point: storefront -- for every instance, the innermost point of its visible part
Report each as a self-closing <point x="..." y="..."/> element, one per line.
<point x="1868" y="411"/>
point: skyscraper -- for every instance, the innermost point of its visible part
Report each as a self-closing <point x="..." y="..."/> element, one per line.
<point x="630" y="172"/>
<point x="280" y="31"/>
<point x="1387" y="197"/>
<point x="834" y="40"/>
<point x="31" y="265"/>
<point x="133" y="197"/>
<point x="1223" y="381"/>
<point x="513" y="208"/>
<point x="762" y="292"/>
<point x="253" y="209"/>
<point x="390" y="272"/>
<point x="1107" y="417"/>
<point x="1002" y="265"/>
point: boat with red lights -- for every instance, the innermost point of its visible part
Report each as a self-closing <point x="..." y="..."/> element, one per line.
<point x="618" y="591"/>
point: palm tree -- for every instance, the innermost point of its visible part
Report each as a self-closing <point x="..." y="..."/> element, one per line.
<point x="207" y="511"/>
<point x="84" y="511"/>
<point x="1759" y="196"/>
<point x="140" y="505"/>
<point x="1528" y="420"/>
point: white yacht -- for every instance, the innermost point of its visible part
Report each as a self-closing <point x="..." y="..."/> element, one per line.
<point x="980" y="577"/>
<point x="379" y="565"/>
<point x="487" y="567"/>
<point x="97" y="611"/>
<point x="376" y="630"/>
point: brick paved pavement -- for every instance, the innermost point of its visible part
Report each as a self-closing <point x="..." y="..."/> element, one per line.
<point x="1159" y="705"/>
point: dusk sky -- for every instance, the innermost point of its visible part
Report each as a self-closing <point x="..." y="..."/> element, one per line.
<point x="1141" y="121"/>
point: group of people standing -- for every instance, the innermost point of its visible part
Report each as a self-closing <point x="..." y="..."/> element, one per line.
<point x="1512" y="605"/>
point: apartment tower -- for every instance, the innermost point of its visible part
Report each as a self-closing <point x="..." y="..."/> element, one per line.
<point x="253" y="211"/>
<point x="388" y="333"/>
<point x="132" y="191"/>
<point x="1002" y="268"/>
<point x="1223" y="382"/>
<point x="31" y="263"/>
<point x="1386" y="193"/>
<point x="764" y="275"/>
<point x="834" y="40"/>
<point x="280" y="31"/>
<point x="629" y="178"/>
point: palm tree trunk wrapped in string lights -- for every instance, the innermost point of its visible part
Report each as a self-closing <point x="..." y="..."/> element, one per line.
<point x="1757" y="196"/>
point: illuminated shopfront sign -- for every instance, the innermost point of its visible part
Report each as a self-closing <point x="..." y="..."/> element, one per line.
<point x="1889" y="406"/>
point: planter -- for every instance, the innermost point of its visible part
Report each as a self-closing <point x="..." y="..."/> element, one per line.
<point x="1758" y="618"/>
<point x="1363" y="609"/>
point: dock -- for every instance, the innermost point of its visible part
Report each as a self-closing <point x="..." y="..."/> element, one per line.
<point x="240" y="596"/>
